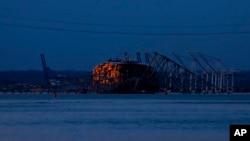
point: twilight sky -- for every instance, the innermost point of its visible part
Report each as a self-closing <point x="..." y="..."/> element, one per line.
<point x="78" y="34"/>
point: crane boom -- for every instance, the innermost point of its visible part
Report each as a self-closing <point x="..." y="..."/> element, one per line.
<point x="206" y="61"/>
<point x="197" y="61"/>
<point x="179" y="59"/>
<point x="45" y="68"/>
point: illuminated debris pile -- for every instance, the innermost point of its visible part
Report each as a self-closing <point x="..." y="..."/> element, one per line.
<point x="116" y="76"/>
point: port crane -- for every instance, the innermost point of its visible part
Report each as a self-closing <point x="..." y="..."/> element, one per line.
<point x="222" y="80"/>
<point x="45" y="68"/>
<point x="62" y="83"/>
<point x="213" y="73"/>
<point x="193" y="76"/>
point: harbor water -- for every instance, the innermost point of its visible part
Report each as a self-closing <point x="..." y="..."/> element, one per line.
<point x="133" y="117"/>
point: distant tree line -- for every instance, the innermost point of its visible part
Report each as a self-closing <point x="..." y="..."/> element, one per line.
<point x="35" y="76"/>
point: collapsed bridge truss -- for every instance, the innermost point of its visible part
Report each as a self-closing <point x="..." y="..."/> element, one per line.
<point x="175" y="77"/>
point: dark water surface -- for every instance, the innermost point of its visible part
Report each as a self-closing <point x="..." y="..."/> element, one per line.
<point x="92" y="117"/>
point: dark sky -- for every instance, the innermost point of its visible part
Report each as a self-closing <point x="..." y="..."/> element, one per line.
<point x="57" y="28"/>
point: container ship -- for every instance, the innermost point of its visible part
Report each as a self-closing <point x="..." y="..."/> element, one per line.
<point x="128" y="77"/>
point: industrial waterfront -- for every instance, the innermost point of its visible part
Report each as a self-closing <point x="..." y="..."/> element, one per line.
<point x="156" y="74"/>
<point x="127" y="99"/>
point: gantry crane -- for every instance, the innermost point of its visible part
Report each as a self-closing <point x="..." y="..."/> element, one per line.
<point x="204" y="85"/>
